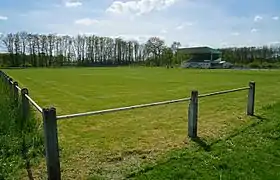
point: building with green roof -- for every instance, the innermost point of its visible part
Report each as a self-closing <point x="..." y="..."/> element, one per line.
<point x="202" y="57"/>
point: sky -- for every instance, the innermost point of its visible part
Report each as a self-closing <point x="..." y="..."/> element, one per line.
<point x="215" y="23"/>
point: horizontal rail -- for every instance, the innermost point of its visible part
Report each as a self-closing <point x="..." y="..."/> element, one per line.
<point x="18" y="88"/>
<point x="145" y="105"/>
<point x="121" y="109"/>
<point x="34" y="103"/>
<point x="223" y="92"/>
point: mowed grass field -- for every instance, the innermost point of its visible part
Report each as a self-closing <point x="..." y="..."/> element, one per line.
<point x="111" y="146"/>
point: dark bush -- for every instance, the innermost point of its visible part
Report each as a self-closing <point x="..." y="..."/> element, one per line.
<point x="254" y="65"/>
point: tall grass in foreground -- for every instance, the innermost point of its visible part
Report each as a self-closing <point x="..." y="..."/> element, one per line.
<point x="21" y="142"/>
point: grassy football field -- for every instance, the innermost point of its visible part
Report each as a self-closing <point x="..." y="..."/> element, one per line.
<point x="111" y="146"/>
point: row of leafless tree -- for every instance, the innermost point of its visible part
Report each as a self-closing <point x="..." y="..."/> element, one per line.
<point x="245" y="55"/>
<point x="40" y="50"/>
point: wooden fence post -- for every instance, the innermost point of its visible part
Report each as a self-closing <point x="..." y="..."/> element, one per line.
<point x="11" y="89"/>
<point x="25" y="103"/>
<point x="1" y="74"/>
<point x="251" y="99"/>
<point x="7" y="82"/>
<point x="16" y="93"/>
<point x="8" y="87"/>
<point x="192" y="115"/>
<point x="11" y="83"/>
<point x="51" y="144"/>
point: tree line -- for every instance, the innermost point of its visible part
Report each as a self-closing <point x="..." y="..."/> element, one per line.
<point x="253" y="56"/>
<point x="50" y="50"/>
<point x="40" y="50"/>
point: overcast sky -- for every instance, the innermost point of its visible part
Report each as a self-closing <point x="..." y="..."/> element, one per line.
<point x="216" y="23"/>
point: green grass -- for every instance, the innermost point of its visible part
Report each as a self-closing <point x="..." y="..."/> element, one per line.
<point x="113" y="145"/>
<point x="21" y="142"/>
<point x="251" y="153"/>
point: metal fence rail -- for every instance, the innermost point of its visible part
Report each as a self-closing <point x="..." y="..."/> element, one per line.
<point x="91" y="113"/>
<point x="121" y="108"/>
<point x="18" y="88"/>
<point x="223" y="92"/>
<point x="34" y="103"/>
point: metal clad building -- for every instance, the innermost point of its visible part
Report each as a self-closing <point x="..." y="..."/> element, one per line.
<point x="203" y="57"/>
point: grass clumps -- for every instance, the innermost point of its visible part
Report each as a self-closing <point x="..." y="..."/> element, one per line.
<point x="21" y="141"/>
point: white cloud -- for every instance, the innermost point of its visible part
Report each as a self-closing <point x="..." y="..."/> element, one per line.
<point x="139" y="7"/>
<point x="254" y="30"/>
<point x="86" y="21"/>
<point x="183" y="25"/>
<point x="258" y="18"/>
<point x="4" y="18"/>
<point x="134" y="37"/>
<point x="73" y="4"/>
<point x="275" y="18"/>
<point x="179" y="27"/>
<point x="235" y="34"/>
<point x="196" y="28"/>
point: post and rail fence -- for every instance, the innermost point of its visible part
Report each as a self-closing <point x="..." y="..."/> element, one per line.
<point x="50" y="117"/>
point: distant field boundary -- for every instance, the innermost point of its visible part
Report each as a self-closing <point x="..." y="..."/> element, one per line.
<point x="50" y="117"/>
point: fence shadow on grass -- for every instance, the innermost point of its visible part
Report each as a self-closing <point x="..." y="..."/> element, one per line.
<point x="207" y="146"/>
<point x="203" y="145"/>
